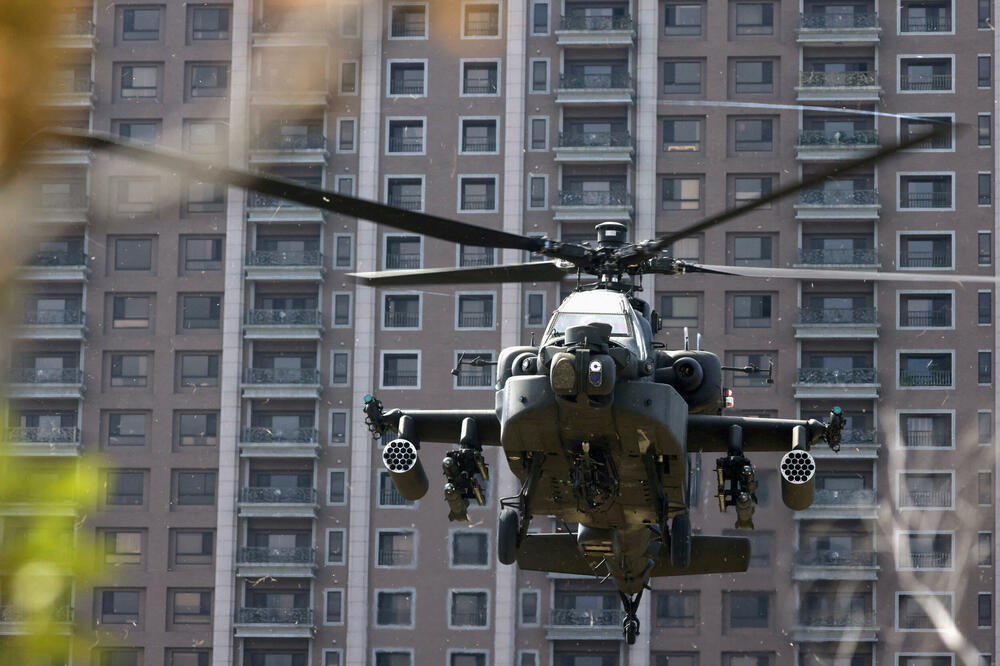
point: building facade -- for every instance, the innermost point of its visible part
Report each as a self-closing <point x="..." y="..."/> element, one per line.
<point x="208" y="345"/>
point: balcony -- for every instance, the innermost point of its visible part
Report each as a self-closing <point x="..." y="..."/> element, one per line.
<point x="274" y="623"/>
<point x="275" y="91"/>
<point x="278" y="265"/>
<point x="614" y="88"/>
<point x="52" y="325"/>
<point x="56" y="267"/>
<point x="824" y="145"/>
<point x="573" y="625"/>
<point x="261" y="561"/>
<point x="861" y="383"/>
<point x="843" y="626"/>
<point x="857" y="443"/>
<point x="283" y="325"/>
<point x="925" y="378"/>
<point x="595" y="147"/>
<point x="838" y="29"/>
<point x="281" y="383"/>
<point x="36" y="441"/>
<point x="305" y="26"/>
<point x="579" y="30"/>
<point x="594" y="206"/>
<point x="263" y="442"/>
<point x="74" y="31"/>
<point x="930" y="499"/>
<point x="837" y="504"/>
<point x="276" y="148"/>
<point x="270" y="502"/>
<point x="925" y="82"/>
<point x="834" y="565"/>
<point x="475" y="320"/>
<point x="15" y="620"/>
<point x="271" y="209"/>
<point x="76" y="95"/>
<point x="940" y="318"/>
<point x="838" y="86"/>
<point x="45" y="383"/>
<point x="73" y="208"/>
<point x="836" y="323"/>
<point x="838" y="204"/>
<point x="924" y="200"/>
<point x="833" y="258"/>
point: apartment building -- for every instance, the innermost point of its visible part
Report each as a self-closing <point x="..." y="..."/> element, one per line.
<point x="207" y="344"/>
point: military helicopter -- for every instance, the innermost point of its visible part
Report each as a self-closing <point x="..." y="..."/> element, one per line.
<point x="597" y="421"/>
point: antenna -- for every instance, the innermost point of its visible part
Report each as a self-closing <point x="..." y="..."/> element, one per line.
<point x="697" y="342"/>
<point x="687" y="340"/>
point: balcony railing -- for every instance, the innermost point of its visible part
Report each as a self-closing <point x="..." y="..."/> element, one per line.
<point x="927" y="498"/>
<point x="274" y="616"/>
<point x="276" y="141"/>
<point x="838" y="197"/>
<point x="480" y="86"/>
<point x="612" y="81"/>
<point x="389" y="496"/>
<point x="289" y="258"/>
<point x="917" y="259"/>
<point x="402" y="260"/>
<point x="595" y="140"/>
<point x="45" y="376"/>
<point x="836" y="376"/>
<point x="399" y="378"/>
<point x="916" y="621"/>
<point x="841" y="257"/>
<point x="834" y="620"/>
<point x="56" y="258"/>
<point x="925" y="24"/>
<point x="282" y="376"/>
<point x="856" y="497"/>
<point x="265" y="555"/>
<point x="292" y="85"/>
<point x="915" y="437"/>
<point x="42" y="435"/>
<point x="303" y="19"/>
<point x="479" y="203"/>
<point x="925" y="199"/>
<point x="408" y="28"/>
<point x="580" y="22"/>
<point x="394" y="558"/>
<point x="836" y="315"/>
<point x="405" y="201"/>
<point x="479" y="380"/>
<point x="822" y="21"/>
<point x="475" y="319"/>
<point x="470" y="259"/>
<point x="473" y="618"/>
<point x="406" y="144"/>
<point x="926" y="318"/>
<point x="80" y="84"/>
<point x="72" y="201"/>
<point x="571" y="617"/>
<point x="265" y="435"/>
<point x="52" y="317"/>
<point x="834" y="139"/>
<point x="924" y="377"/>
<point x="260" y="200"/>
<point x="402" y="319"/>
<point x="931" y="560"/>
<point x="859" y="436"/>
<point x="284" y="317"/>
<point x="400" y="86"/>
<point x="833" y="558"/>
<point x="594" y="198"/>
<point x="271" y="495"/>
<point x="480" y="144"/>
<point x="14" y="614"/>
<point x="925" y="81"/>
<point x="482" y="28"/>
<point x="838" y="79"/>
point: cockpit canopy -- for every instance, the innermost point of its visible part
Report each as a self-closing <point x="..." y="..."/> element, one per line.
<point x="608" y="307"/>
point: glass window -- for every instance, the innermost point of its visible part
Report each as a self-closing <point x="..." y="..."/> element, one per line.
<point x="124" y="488"/>
<point x="209" y="80"/>
<point x="985" y="609"/>
<point x="984" y="17"/>
<point x="199" y="429"/>
<point x="985" y="366"/>
<point x="396" y="548"/>
<point x="346" y="133"/>
<point x="754" y="135"/>
<point x="338" y="427"/>
<point x="141" y="24"/>
<point x="535" y="309"/>
<point x="341" y="309"/>
<point x="201" y="312"/>
<point x="470" y="549"/>
<point x="539" y="76"/>
<point x="334" y="607"/>
<point x="985" y="248"/>
<point x="406" y="78"/>
<point x="682" y="77"/>
<point x="122" y="547"/>
<point x="408" y="21"/>
<point x="985" y="488"/>
<point x="752" y="251"/>
<point x="188" y="658"/>
<point x="678" y="311"/>
<point x="748" y="610"/>
<point x="393" y="608"/>
<point x="469" y="609"/>
<point x="133" y="254"/>
<point x="754" y="18"/>
<point x="480" y="78"/>
<point x="206" y="136"/>
<point x="984" y="77"/>
<point x="139" y="81"/>
<point x="682" y="134"/>
<point x="985" y="422"/>
<point x="985" y="129"/>
<point x="540" y="18"/>
<point x="202" y="254"/>
<point x="348" y="78"/>
<point x="529" y="606"/>
<point x="537" y="192"/>
<point x="754" y="76"/>
<point x="196" y="488"/>
<point x="126" y="429"/>
<point x="209" y="23"/>
<point x="120" y="607"/>
<point x="681" y="193"/>
<point x="199" y="370"/>
<point x="193" y="547"/>
<point x="343" y="251"/>
<point x="335" y="547"/>
<point x="400" y="370"/>
<point x="539" y="133"/>
<point x="677" y="609"/>
<point x="139" y="131"/>
<point x="337" y="486"/>
<point x="131" y="312"/>
<point x="681" y="20"/>
<point x="478" y="194"/>
<point x="752" y="311"/>
<point x="129" y="369"/>
<point x="340" y="368"/>
<point x="985" y="189"/>
<point x="192" y="607"/>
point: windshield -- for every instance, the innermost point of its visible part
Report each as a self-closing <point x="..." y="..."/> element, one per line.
<point x="563" y="320"/>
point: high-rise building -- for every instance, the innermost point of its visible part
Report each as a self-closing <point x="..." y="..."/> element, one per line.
<point x="209" y="346"/>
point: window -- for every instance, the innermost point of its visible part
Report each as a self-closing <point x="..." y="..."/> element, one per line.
<point x="984" y="17"/>
<point x="192" y="607"/>
<point x="393" y="658"/>
<point x="477" y="194"/>
<point x="209" y="80"/>
<point x="753" y="251"/>
<point x="747" y="659"/>
<point x="335" y="546"/>
<point x="407" y="78"/>
<point x="753" y="135"/>
<point x="470" y="549"/>
<point x="926" y="430"/>
<point x="349" y="78"/>
<point x="479" y="136"/>
<point x="119" y="607"/>
<point x="388" y="495"/>
<point x="199" y="370"/>
<point x="188" y="657"/>
<point x="344" y="185"/>
<point x="984" y="76"/>
<point x="139" y="81"/>
<point x="985" y="367"/>
<point x="534" y="308"/>
<point x="682" y="20"/>
<point x="198" y="429"/>
<point x="124" y="488"/>
<point x="129" y="369"/>
<point x="393" y="608"/>
<point x="924" y="16"/>
<point x="761" y="545"/>
<point x="405" y="193"/>
<point x="336" y="493"/>
<point x="985" y="421"/>
<point x="925" y="550"/>
<point x="193" y="547"/>
<point x="683" y="77"/>
<point x="122" y="547"/>
<point x="985" y="488"/>
<point x="984" y="129"/>
<point x="912" y="128"/>
<point x="396" y="548"/>
<point x="475" y="311"/>
<point x="402" y="311"/>
<point x="205" y="136"/>
<point x="127" y="429"/>
<point x="346" y="134"/>
<point x="925" y="74"/>
<point x="529" y="607"/>
<point x="925" y="310"/>
<point x="679" y="310"/>
<point x="202" y="254"/>
<point x="141" y="24"/>
<point x="539" y="134"/>
<point x="475" y="372"/>
<point x="468" y="609"/>
<point x="333" y="604"/>
<point x="681" y="193"/>
<point x="752" y="311"/>
<point x="754" y="18"/>
<point x="341" y="310"/>
<point x="145" y="132"/>
<point x="754" y="76"/>
<point x="911" y="610"/>
<point x="131" y="312"/>
<point x="925" y="370"/>
<point x="343" y="250"/>
<point x="350" y="21"/>
<point x="475" y="255"/>
<point x="209" y="23"/>
<point x="405" y="136"/>
<point x="688" y="249"/>
<point x="133" y="254"/>
<point x="680" y="659"/>
<point x="408" y="22"/>
<point x="540" y="18"/>
<point x="537" y="192"/>
<point x="201" y="312"/>
<point x="196" y="488"/>
<point x="985" y="188"/>
<point x="480" y="78"/>
<point x="205" y="198"/>
<point x="925" y="251"/>
<point x="984" y="549"/>
<point x="985" y="609"/>
<point x="682" y="134"/>
<point x="340" y="368"/>
<point x="926" y="490"/>
<point x="467" y="659"/>
<point x="135" y="196"/>
<point x="481" y="20"/>
<point x="677" y="609"/>
<point x="540" y="75"/>
<point x="747" y="189"/>
<point x="748" y="610"/>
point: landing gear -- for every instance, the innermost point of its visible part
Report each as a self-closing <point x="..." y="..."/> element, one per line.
<point x="630" y="624"/>
<point x="515" y="514"/>
<point x="680" y="541"/>
<point x="507" y="535"/>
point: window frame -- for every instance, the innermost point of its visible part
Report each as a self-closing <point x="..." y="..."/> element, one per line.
<point x="950" y="117"/>
<point x="386" y="182"/>
<point x="500" y="16"/>
<point x="347" y="427"/>
<point x="452" y="532"/>
<point x="412" y="591"/>
<point x="546" y="89"/>
<point x="404" y="61"/>
<point x="336" y="239"/>
<point x="341" y="79"/>
<point x="901" y="487"/>
<point x="899" y="536"/>
<point x="341" y="121"/>
<point x="119" y="87"/>
<point x="427" y="21"/>
<point x="900" y="443"/>
<point x="333" y="309"/>
<point x="899" y="190"/>
<point x="414" y="536"/>
<point x="458" y="313"/>
<point x="534" y="592"/>
<point x="189" y="79"/>
<point x="921" y="292"/>
<point x="920" y="56"/>
<point x="385" y="247"/>
<point x="330" y="471"/>
<point x="389" y="120"/>
<point x="497" y="62"/>
<point x="461" y="180"/>
<point x="381" y="377"/>
<point x="496" y="132"/>
<point x="926" y="33"/>
<point x="333" y="354"/>
<point x="937" y="352"/>
<point x="899" y="245"/>
<point x="326" y="608"/>
<point x="548" y="18"/>
<point x="420" y="311"/>
<point x="486" y="606"/>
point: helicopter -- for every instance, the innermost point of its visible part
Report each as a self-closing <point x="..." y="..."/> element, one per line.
<point x="598" y="422"/>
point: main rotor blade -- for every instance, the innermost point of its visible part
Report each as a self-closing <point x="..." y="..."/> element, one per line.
<point x="540" y="271"/>
<point x="833" y="274"/>
<point x="850" y="165"/>
<point x="419" y="223"/>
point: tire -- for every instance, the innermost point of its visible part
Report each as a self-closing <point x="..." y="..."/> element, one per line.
<point x="631" y="631"/>
<point x="680" y="541"/>
<point x="507" y="532"/>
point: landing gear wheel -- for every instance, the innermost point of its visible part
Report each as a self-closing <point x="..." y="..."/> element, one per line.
<point x="680" y="541"/>
<point x="507" y="533"/>
<point x="631" y="630"/>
